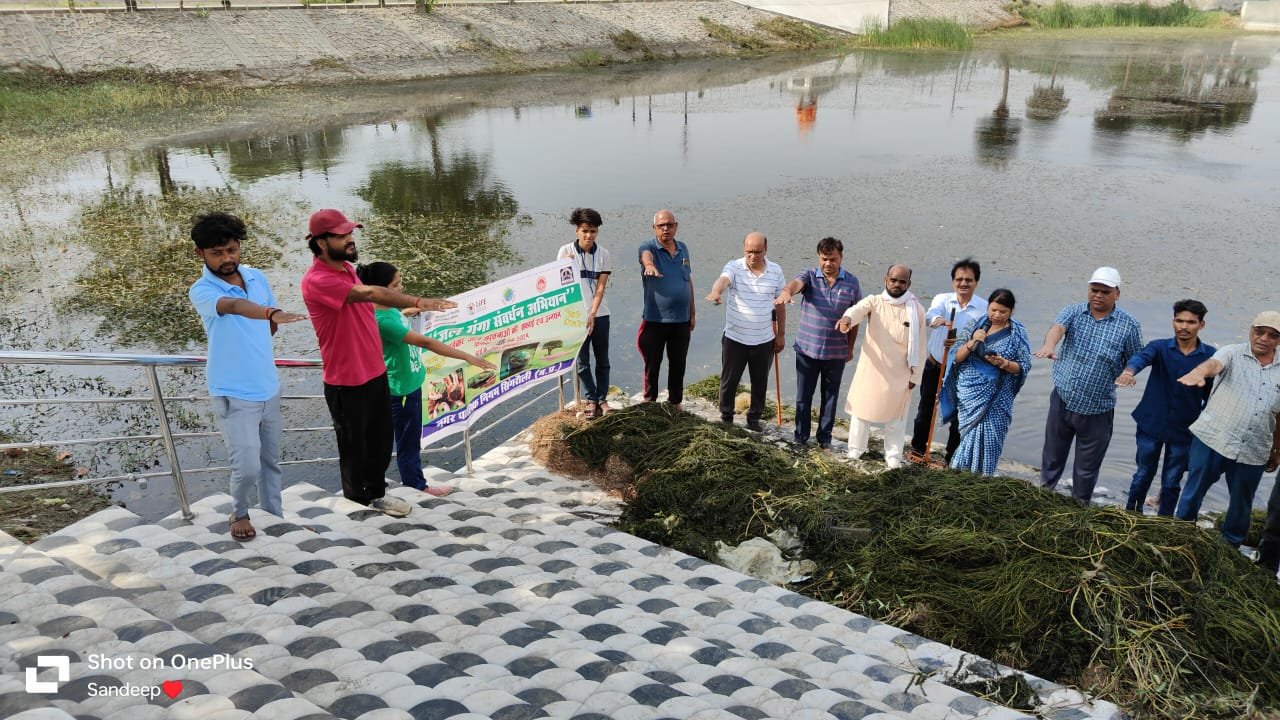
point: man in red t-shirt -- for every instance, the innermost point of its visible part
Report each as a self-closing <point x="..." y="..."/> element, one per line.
<point x="355" y="378"/>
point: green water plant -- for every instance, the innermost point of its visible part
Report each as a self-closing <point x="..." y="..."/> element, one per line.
<point x="918" y="33"/>
<point x="591" y="58"/>
<point x="143" y="262"/>
<point x="1155" y="614"/>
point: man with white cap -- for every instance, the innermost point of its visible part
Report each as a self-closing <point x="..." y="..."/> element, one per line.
<point x="1237" y="434"/>
<point x="1097" y="339"/>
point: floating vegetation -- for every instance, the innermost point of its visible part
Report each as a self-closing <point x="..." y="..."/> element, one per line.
<point x="1062" y="14"/>
<point x="1154" y="614"/>
<point x="144" y="262"/>
<point x="443" y="225"/>
<point x="919" y="33"/>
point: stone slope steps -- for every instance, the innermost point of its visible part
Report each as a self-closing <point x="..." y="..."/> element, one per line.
<point x="47" y="609"/>
<point x="498" y="601"/>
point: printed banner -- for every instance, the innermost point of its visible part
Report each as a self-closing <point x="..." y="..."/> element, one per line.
<point x="529" y="325"/>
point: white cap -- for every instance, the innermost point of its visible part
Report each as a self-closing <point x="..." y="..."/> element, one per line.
<point x="1108" y="276"/>
<point x="1268" y="318"/>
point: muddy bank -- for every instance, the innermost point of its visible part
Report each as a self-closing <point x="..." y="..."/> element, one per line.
<point x="340" y="45"/>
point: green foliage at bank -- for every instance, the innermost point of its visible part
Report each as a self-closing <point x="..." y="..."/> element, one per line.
<point x="44" y="113"/>
<point x="1154" y="614"/>
<point x="922" y="33"/>
<point x="144" y="262"/>
<point x="1065" y="15"/>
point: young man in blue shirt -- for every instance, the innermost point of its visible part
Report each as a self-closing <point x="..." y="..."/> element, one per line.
<point x="1167" y="409"/>
<point x="238" y="310"/>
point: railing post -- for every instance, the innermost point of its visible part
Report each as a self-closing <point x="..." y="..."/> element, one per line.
<point x="466" y="446"/>
<point x="560" y="387"/>
<point x="167" y="435"/>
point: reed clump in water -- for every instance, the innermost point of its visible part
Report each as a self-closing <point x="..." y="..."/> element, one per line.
<point x="918" y="33"/>
<point x="1154" y="614"/>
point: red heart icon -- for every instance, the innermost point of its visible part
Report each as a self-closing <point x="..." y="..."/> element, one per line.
<point x="172" y="688"/>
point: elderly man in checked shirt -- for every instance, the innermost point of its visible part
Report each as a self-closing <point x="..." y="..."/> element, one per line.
<point x="1097" y="339"/>
<point x="1237" y="433"/>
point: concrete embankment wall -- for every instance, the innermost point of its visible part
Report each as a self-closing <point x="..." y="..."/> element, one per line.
<point x="308" y="45"/>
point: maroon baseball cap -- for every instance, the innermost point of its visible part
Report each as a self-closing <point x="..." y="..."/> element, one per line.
<point x="329" y="221"/>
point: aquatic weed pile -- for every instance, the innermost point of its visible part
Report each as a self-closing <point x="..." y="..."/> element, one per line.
<point x="1154" y="614"/>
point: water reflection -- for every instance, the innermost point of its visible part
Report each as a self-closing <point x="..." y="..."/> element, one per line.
<point x="271" y="155"/>
<point x="444" y="224"/>
<point x="1047" y="102"/>
<point x="998" y="134"/>
<point x="1185" y="99"/>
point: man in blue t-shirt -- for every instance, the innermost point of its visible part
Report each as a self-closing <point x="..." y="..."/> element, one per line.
<point x="238" y="310"/>
<point x="1167" y="409"/>
<point x="668" y="317"/>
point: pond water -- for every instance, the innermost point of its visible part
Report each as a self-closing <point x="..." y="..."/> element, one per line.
<point x="1042" y="161"/>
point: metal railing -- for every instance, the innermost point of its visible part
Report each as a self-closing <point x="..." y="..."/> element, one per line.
<point x="165" y="433"/>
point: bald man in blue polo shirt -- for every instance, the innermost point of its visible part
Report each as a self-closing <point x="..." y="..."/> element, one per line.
<point x="238" y="310"/>
<point x="669" y="314"/>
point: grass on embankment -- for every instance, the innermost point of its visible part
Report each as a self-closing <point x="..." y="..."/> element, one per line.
<point x="1062" y="15"/>
<point x="44" y="114"/>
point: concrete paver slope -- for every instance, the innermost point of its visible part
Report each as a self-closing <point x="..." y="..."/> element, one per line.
<point x="847" y="15"/>
<point x="507" y="599"/>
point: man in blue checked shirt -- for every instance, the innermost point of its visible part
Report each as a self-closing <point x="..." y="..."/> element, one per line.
<point x="1168" y="407"/>
<point x="1097" y="339"/>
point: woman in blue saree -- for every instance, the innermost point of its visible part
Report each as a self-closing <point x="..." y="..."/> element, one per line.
<point x="992" y="359"/>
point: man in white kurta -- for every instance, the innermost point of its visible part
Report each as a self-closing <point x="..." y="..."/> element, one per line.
<point x="893" y="352"/>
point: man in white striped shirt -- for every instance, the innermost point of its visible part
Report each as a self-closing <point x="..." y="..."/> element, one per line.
<point x="752" y="333"/>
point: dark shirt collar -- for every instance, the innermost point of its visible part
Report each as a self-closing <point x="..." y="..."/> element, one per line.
<point x="578" y="247"/>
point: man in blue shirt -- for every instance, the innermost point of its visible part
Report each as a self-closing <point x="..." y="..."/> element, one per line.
<point x="1098" y="339"/>
<point x="666" y="323"/>
<point x="1168" y="407"/>
<point x="238" y="310"/>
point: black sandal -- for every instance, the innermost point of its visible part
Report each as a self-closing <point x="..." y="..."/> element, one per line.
<point x="242" y="535"/>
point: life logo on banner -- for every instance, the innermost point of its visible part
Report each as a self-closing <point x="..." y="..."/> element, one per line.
<point x="529" y="325"/>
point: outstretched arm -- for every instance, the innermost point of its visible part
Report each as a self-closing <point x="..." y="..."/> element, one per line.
<point x="789" y="291"/>
<point x="387" y="297"/>
<point x="1051" y="340"/>
<point x="439" y="348"/>
<point x="1202" y="372"/>
<point x="254" y="311"/>
<point x="717" y="290"/>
